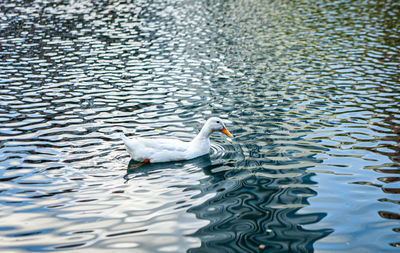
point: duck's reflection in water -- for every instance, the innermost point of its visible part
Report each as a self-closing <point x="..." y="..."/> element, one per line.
<point x="255" y="213"/>
<point x="248" y="211"/>
<point x="136" y="169"/>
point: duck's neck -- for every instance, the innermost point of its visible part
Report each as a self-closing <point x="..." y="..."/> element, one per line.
<point x="204" y="134"/>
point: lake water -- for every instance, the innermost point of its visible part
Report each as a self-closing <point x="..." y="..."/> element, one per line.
<point x="309" y="89"/>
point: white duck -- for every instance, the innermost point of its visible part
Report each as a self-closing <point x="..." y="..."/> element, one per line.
<point x="168" y="150"/>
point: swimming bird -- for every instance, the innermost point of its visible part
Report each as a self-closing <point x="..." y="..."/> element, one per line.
<point x="155" y="150"/>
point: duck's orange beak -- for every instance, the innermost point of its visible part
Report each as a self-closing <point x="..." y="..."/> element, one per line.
<point x="226" y="132"/>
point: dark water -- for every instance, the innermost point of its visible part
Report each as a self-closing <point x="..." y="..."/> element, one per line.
<point x="310" y="89"/>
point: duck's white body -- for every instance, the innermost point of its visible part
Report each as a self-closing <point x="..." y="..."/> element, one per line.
<point x="167" y="150"/>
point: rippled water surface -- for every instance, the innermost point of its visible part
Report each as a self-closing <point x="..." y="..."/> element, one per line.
<point x="310" y="90"/>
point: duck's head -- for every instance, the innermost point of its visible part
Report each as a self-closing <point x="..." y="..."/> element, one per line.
<point x="216" y="124"/>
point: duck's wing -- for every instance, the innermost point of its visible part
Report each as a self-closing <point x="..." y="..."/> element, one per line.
<point x="163" y="144"/>
<point x="143" y="148"/>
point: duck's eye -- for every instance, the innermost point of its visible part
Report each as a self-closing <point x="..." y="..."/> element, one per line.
<point x="218" y="122"/>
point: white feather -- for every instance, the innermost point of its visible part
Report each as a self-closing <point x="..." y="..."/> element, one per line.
<point x="167" y="150"/>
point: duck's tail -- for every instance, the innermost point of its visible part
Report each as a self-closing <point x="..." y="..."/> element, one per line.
<point x="124" y="138"/>
<point x="126" y="142"/>
<point x="129" y="145"/>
